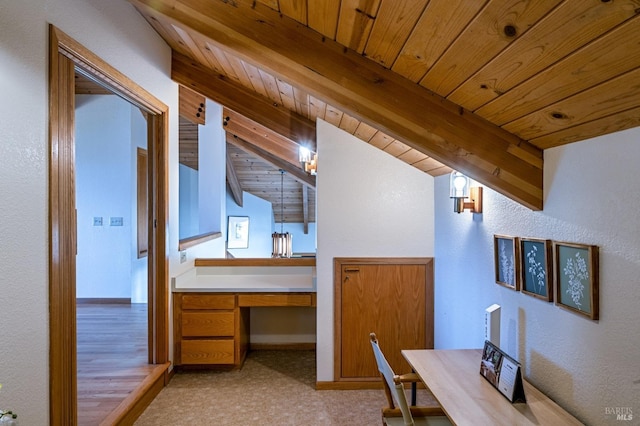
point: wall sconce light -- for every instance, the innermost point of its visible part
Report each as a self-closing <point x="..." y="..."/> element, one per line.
<point x="459" y="187"/>
<point x="309" y="160"/>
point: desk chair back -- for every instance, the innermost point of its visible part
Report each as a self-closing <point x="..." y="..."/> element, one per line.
<point x="394" y="390"/>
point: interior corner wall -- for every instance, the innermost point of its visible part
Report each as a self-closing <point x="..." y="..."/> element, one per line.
<point x="119" y="35"/>
<point x="590" y="368"/>
<point x="370" y="204"/>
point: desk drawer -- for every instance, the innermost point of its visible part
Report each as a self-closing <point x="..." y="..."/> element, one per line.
<point x="208" y="301"/>
<point x="214" y="351"/>
<point x="274" y="300"/>
<point x="208" y="324"/>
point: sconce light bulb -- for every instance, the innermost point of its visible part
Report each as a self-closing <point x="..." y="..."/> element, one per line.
<point x="459" y="182"/>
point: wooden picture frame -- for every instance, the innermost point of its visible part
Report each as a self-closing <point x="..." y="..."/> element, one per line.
<point x="536" y="268"/>
<point x="238" y="232"/>
<point x="506" y="252"/>
<point x="577" y="278"/>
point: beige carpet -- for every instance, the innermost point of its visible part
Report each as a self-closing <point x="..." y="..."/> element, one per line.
<point x="273" y="387"/>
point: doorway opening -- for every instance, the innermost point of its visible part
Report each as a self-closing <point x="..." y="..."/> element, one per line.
<point x="66" y="58"/>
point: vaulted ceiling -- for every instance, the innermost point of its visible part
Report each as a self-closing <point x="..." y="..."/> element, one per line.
<point x="480" y="86"/>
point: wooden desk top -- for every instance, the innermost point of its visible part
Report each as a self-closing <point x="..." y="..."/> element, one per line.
<point x="453" y="376"/>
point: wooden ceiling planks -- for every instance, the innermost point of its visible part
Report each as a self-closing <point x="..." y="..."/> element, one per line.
<point x="564" y="30"/>
<point x="263" y="180"/>
<point x="589" y="66"/>
<point x="442" y="22"/>
<point x="497" y="25"/>
<point x="391" y="29"/>
<point x="549" y="71"/>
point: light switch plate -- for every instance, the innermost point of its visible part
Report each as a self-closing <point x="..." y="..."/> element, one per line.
<point x="115" y="221"/>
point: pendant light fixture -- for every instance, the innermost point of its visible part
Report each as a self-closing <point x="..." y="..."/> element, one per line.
<point x="282" y="240"/>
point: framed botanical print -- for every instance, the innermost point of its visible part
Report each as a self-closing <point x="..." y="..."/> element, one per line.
<point x="576" y="278"/>
<point x="536" y="268"/>
<point x="506" y="254"/>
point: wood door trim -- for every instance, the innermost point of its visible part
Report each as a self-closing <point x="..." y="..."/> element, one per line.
<point x="338" y="263"/>
<point x="65" y="57"/>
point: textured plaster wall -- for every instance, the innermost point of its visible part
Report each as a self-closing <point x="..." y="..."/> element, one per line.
<point x="588" y="367"/>
<point x="119" y="35"/>
<point x="370" y="204"/>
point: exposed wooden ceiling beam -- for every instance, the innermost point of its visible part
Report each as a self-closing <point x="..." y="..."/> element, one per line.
<point x="366" y="90"/>
<point x="234" y="182"/>
<point x="236" y="97"/>
<point x="262" y="137"/>
<point x="191" y="105"/>
<point x="295" y="172"/>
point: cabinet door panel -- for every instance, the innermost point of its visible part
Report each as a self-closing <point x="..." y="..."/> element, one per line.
<point x="390" y="300"/>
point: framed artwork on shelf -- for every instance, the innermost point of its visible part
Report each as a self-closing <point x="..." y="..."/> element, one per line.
<point x="576" y="278"/>
<point x="506" y="254"/>
<point x="536" y="267"/>
<point x="238" y="232"/>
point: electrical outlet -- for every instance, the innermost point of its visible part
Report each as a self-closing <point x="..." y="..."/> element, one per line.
<point x="97" y="221"/>
<point x="183" y="256"/>
<point x="115" y="221"/>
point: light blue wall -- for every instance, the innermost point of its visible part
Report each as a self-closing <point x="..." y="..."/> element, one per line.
<point x="300" y="242"/>
<point x="261" y="226"/>
<point x="189" y="225"/>
<point x="260" y="214"/>
<point x="108" y="130"/>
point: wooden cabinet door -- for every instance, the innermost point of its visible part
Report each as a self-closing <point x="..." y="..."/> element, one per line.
<point x="390" y="297"/>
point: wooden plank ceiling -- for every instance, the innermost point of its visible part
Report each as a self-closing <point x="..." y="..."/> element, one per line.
<point x="480" y="86"/>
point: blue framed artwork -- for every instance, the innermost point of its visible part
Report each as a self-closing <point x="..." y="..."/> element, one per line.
<point x="506" y="253"/>
<point x="577" y="278"/>
<point x="536" y="267"/>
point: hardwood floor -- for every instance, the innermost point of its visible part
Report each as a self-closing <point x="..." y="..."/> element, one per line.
<point x="112" y="357"/>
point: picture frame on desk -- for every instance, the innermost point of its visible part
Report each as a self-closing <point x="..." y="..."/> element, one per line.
<point x="502" y="372"/>
<point x="536" y="268"/>
<point x="577" y="278"/>
<point x="506" y="253"/>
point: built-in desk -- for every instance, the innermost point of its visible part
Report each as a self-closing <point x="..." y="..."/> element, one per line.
<point x="211" y="304"/>
<point x="453" y="376"/>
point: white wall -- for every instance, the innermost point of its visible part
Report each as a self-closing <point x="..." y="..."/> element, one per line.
<point x="370" y="204"/>
<point x="591" y="197"/>
<point x="120" y="36"/>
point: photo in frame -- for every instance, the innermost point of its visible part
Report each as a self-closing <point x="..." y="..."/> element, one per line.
<point x="576" y="278"/>
<point x="502" y="372"/>
<point x="238" y="232"/>
<point x="536" y="267"/>
<point x="506" y="254"/>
